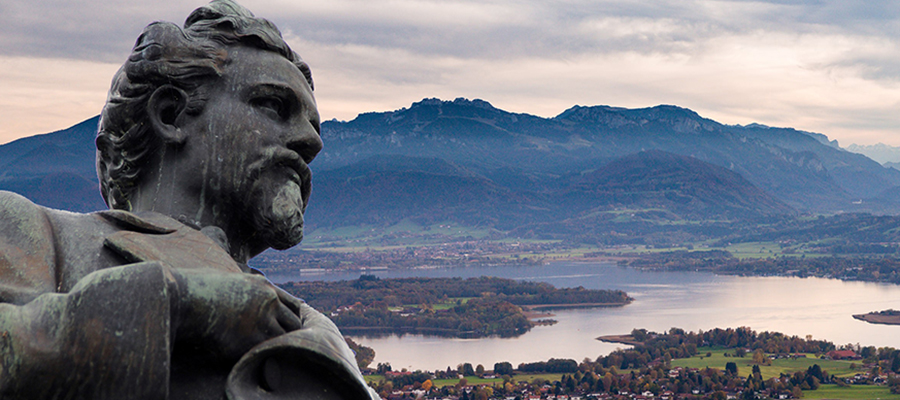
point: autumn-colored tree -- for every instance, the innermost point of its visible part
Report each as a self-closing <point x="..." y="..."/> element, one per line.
<point x="760" y="358"/>
<point x="386" y="389"/>
<point x="484" y="393"/>
<point x="427" y="385"/>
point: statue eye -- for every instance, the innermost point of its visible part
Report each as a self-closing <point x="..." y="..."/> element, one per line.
<point x="272" y="106"/>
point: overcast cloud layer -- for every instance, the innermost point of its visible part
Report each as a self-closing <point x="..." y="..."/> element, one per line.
<point x="826" y="66"/>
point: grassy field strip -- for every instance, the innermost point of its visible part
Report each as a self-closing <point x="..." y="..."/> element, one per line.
<point x="450" y="303"/>
<point x="745" y="365"/>
<point x="867" y="392"/>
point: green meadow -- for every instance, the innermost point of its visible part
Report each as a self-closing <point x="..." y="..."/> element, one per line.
<point x="745" y="364"/>
<point x="867" y="392"/>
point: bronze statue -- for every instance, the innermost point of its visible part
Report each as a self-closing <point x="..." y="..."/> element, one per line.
<point x="202" y="156"/>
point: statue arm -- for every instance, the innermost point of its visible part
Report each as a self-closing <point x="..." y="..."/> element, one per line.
<point x="314" y="321"/>
<point x="66" y="345"/>
<point x="72" y="345"/>
<point x="315" y="357"/>
<point x="27" y="254"/>
<point x="120" y="324"/>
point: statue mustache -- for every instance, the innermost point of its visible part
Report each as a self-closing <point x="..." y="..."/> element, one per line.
<point x="275" y="157"/>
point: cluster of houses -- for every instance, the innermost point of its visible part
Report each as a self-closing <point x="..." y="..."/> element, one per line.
<point x="527" y="391"/>
<point x="419" y="394"/>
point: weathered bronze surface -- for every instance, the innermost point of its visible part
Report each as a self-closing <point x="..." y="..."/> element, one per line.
<point x="202" y="156"/>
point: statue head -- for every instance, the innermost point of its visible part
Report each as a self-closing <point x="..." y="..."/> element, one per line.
<point x="214" y="124"/>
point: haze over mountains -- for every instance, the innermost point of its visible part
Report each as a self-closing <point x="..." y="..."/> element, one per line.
<point x="888" y="156"/>
<point x="471" y="163"/>
<point x="526" y="153"/>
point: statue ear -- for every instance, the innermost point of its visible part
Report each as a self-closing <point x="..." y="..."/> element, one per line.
<point x="166" y="110"/>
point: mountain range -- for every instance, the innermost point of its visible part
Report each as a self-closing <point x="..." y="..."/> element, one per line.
<point x="528" y="153"/>
<point x="468" y="162"/>
<point x="886" y="155"/>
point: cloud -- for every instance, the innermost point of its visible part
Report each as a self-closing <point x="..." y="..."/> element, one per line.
<point x="831" y="66"/>
<point x="40" y="95"/>
<point x="79" y="29"/>
<point x="495" y="29"/>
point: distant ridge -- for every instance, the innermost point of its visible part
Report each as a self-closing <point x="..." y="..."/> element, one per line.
<point x="879" y="152"/>
<point x="470" y="162"/>
<point x="802" y="169"/>
<point x="55" y="169"/>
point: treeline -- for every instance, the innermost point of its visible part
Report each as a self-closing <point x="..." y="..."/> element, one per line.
<point x="840" y="229"/>
<point x="681" y="344"/>
<point x="373" y="291"/>
<point x="553" y="365"/>
<point x="869" y="269"/>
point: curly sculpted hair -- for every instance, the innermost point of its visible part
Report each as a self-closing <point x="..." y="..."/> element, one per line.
<point x="188" y="58"/>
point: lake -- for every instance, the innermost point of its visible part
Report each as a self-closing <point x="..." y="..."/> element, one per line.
<point x="688" y="300"/>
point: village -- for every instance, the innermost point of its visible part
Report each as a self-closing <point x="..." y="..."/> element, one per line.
<point x="730" y="373"/>
<point x="455" y="253"/>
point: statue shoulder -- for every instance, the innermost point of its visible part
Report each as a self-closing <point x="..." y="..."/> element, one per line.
<point x="27" y="246"/>
<point x="22" y="221"/>
<point x="16" y="208"/>
<point x="149" y="236"/>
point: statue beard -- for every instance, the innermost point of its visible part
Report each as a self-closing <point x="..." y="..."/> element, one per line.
<point x="277" y="214"/>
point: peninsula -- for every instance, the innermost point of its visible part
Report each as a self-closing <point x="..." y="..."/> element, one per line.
<point x="886" y="317"/>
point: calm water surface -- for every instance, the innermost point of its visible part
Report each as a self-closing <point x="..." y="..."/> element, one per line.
<point x="688" y="300"/>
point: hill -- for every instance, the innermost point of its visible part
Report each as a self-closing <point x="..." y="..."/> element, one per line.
<point x="54" y="169"/>
<point x="683" y="186"/>
<point x="383" y="191"/>
<point x="662" y="171"/>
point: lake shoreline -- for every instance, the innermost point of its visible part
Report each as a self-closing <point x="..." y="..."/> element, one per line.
<point x="620" y="339"/>
<point x="887" y="317"/>
<point x="571" y="306"/>
<point x="663" y="299"/>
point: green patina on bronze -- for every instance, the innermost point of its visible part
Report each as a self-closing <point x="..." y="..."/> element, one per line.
<point x="203" y="154"/>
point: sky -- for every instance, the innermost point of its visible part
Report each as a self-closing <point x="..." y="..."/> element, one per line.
<point x="831" y="67"/>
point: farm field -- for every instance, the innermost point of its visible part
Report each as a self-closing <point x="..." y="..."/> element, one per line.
<point x="745" y="364"/>
<point x="867" y="392"/>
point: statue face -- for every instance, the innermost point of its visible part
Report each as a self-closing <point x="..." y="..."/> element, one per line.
<point x="246" y="154"/>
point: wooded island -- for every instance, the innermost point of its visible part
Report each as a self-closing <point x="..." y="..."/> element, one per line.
<point x="473" y="307"/>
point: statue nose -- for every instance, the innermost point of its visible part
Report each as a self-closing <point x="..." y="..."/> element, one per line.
<point x="306" y="141"/>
